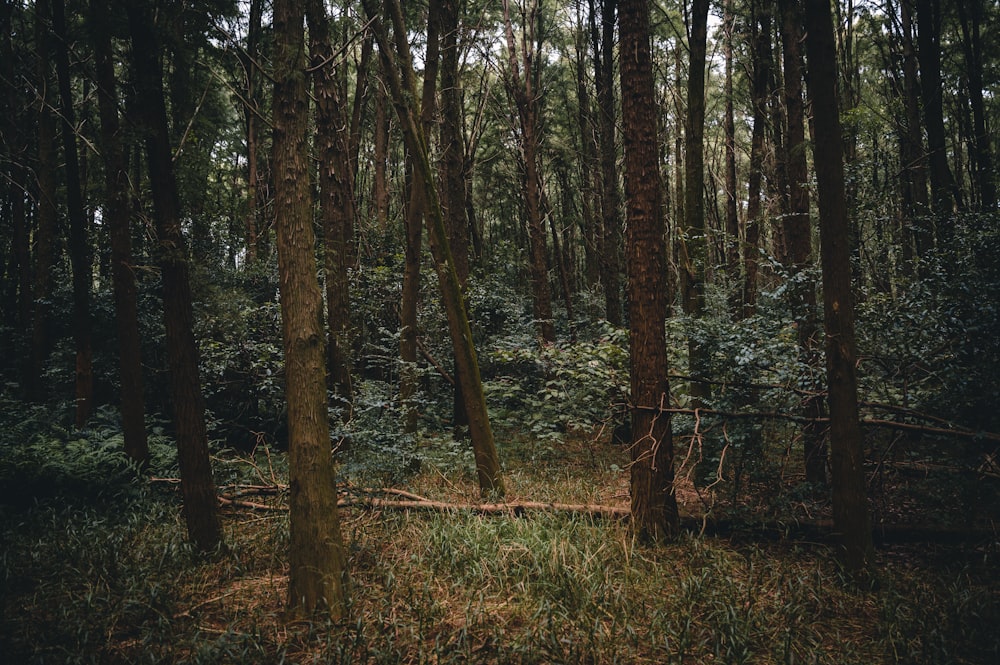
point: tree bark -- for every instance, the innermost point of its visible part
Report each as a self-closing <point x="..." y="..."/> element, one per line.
<point x="654" y="504"/>
<point x="79" y="243"/>
<point x="337" y="206"/>
<point x="850" y="501"/>
<point x="970" y="18"/>
<point x="317" y="580"/>
<point x="117" y="208"/>
<point x="527" y="100"/>
<point x="732" y="211"/>
<point x="611" y="223"/>
<point x="589" y="169"/>
<point x="694" y="243"/>
<point x="402" y="84"/>
<point x="797" y="231"/>
<point x="916" y="206"/>
<point x="200" y="507"/>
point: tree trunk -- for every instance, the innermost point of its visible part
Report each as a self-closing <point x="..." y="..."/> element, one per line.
<point x="850" y="501"/>
<point x="526" y="99"/>
<point x="467" y="365"/>
<point x="797" y="231"/>
<point x="929" y="56"/>
<point x="45" y="213"/>
<point x="970" y="18"/>
<point x="588" y="159"/>
<point x="79" y="243"/>
<point x="732" y="211"/>
<point x="380" y="184"/>
<point x="654" y="504"/>
<point x="694" y="244"/>
<point x="250" y="59"/>
<point x="610" y="201"/>
<point x="914" y="160"/>
<point x="337" y="205"/>
<point x="117" y="209"/>
<point x="317" y="580"/>
<point x="197" y="487"/>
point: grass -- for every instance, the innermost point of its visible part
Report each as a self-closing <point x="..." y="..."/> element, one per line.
<point x="110" y="579"/>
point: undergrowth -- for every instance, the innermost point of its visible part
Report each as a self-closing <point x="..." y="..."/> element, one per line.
<point x="106" y="576"/>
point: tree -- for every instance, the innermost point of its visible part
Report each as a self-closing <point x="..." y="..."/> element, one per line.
<point x="654" y="504"/>
<point x="79" y="242"/>
<point x="317" y="579"/>
<point x="403" y="87"/>
<point x="197" y="486"/>
<point x="116" y="215"/>
<point x="527" y="99"/>
<point x="797" y="230"/>
<point x="850" y="500"/>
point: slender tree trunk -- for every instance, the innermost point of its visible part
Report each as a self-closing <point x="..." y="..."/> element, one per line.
<point x="610" y="199"/>
<point x="914" y="166"/>
<point x="251" y="107"/>
<point x="970" y="18"/>
<point x="197" y="487"/>
<point x="797" y="231"/>
<point x="117" y="209"/>
<point x="929" y="56"/>
<point x="694" y="243"/>
<point x="79" y="243"/>
<point x="45" y="213"/>
<point x="850" y="500"/>
<point x="732" y="211"/>
<point x="759" y="92"/>
<point x="453" y="159"/>
<point x="589" y="198"/>
<point x="337" y="205"/>
<point x="467" y="365"/>
<point x="380" y="183"/>
<point x="654" y="504"/>
<point x="527" y="100"/>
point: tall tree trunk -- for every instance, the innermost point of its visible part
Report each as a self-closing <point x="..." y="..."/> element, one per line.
<point x="797" y="231"/>
<point x="197" y="487"/>
<point x="732" y="211"/>
<point x="610" y="200"/>
<point x="850" y="500"/>
<point x="317" y="580"/>
<point x="761" y="30"/>
<point x="79" y="243"/>
<point x="589" y="197"/>
<point x="401" y="80"/>
<point x="527" y="99"/>
<point x="251" y="108"/>
<point x="380" y="183"/>
<point x="970" y="18"/>
<point x="452" y="162"/>
<point x="117" y="209"/>
<point x="694" y="243"/>
<point x="929" y="56"/>
<point x="45" y="213"/>
<point x="337" y="205"/>
<point x="914" y="161"/>
<point x="654" y="504"/>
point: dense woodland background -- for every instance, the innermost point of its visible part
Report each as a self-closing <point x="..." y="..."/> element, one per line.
<point x="742" y="286"/>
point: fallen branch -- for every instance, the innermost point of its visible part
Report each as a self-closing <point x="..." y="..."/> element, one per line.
<point x="516" y="508"/>
<point x="441" y="370"/>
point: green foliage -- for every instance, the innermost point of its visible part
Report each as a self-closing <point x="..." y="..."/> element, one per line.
<point x="554" y="389"/>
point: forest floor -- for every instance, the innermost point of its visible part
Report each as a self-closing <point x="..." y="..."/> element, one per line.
<point x="107" y="577"/>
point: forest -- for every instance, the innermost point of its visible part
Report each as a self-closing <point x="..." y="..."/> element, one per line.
<point x="499" y="331"/>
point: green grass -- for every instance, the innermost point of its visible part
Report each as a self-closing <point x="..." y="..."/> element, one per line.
<point x="107" y="577"/>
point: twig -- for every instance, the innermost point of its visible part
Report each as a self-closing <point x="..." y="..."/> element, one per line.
<point x="441" y="370"/>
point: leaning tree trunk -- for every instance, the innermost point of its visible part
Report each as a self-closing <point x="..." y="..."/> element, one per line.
<point x="850" y="500"/>
<point x="197" y="487"/>
<point x="402" y="84"/>
<point x="654" y="504"/>
<point x="116" y="217"/>
<point x="79" y="243"/>
<point x="317" y="579"/>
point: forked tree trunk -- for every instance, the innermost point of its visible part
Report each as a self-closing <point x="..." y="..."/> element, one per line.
<point x="850" y="500"/>
<point x="654" y="503"/>
<point x="197" y="487"/>
<point x="117" y="208"/>
<point x="317" y="580"/>
<point x="79" y="243"/>
<point x="402" y="84"/>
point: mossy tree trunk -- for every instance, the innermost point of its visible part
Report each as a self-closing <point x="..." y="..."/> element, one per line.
<point x="317" y="564"/>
